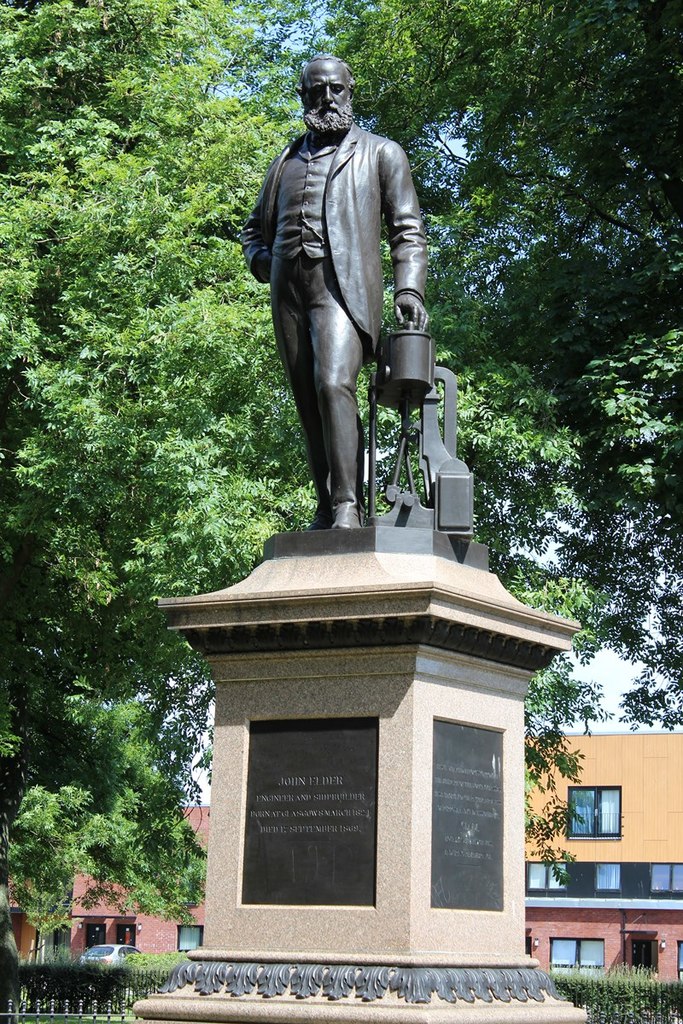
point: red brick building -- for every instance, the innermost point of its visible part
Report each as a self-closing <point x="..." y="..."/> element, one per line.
<point x="623" y="900"/>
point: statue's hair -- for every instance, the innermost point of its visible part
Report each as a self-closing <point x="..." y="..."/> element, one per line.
<point x="325" y="56"/>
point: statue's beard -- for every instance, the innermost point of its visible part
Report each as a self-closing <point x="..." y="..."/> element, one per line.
<point x="329" y="122"/>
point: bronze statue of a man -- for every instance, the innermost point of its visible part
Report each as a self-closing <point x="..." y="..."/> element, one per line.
<point x="314" y="235"/>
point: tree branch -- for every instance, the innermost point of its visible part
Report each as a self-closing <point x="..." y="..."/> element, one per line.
<point x="461" y="161"/>
<point x="569" y="191"/>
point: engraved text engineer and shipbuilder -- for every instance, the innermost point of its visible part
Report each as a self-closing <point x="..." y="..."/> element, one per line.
<point x="314" y="236"/>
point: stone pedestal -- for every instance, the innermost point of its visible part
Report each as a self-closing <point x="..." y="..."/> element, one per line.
<point x="366" y="856"/>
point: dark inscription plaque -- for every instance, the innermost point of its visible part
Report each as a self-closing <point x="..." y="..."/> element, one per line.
<point x="467" y="818"/>
<point x="310" y="817"/>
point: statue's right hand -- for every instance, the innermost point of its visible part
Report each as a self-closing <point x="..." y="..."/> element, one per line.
<point x="260" y="266"/>
<point x="409" y="309"/>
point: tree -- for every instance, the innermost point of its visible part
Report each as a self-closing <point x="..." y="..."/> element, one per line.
<point x="146" y="444"/>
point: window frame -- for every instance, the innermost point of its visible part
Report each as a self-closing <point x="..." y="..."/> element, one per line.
<point x="548" y="877"/>
<point x="200" y="930"/>
<point x="670" y="865"/>
<point x="607" y="864"/>
<point x="596" y="832"/>
<point x="577" y="965"/>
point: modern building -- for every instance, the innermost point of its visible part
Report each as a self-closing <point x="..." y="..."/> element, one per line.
<point x="622" y="902"/>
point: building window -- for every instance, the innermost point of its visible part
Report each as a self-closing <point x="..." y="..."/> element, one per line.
<point x="680" y="961"/>
<point x="190" y="936"/>
<point x="608" y="877"/>
<point x="572" y="953"/>
<point x="61" y="939"/>
<point x="666" y="878"/>
<point x="542" y="876"/>
<point x="596" y="812"/>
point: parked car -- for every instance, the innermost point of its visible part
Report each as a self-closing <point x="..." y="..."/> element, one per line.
<point x="107" y="954"/>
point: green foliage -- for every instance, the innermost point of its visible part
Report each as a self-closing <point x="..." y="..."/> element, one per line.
<point x="623" y="994"/>
<point x="154" y="962"/>
<point x="57" y="835"/>
<point x="45" y="851"/>
<point x="145" y="429"/>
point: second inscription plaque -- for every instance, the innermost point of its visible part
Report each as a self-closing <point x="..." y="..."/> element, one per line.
<point x="467" y="818"/>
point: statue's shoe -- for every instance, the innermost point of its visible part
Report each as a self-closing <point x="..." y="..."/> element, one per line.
<point x="346" y="517"/>
<point x="322" y="521"/>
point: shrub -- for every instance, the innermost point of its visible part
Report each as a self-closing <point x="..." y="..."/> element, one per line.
<point x="623" y="995"/>
<point x="155" y="961"/>
<point x="69" y="985"/>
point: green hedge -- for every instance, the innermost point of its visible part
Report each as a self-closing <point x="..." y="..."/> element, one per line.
<point x="623" y="996"/>
<point x="154" y="961"/>
<point x="89" y="984"/>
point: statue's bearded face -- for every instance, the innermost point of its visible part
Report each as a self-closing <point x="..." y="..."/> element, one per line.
<point x="326" y="96"/>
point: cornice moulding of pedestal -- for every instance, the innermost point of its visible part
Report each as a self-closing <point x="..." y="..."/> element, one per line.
<point x="368" y="599"/>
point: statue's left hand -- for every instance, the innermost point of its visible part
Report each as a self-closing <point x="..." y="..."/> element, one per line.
<point x="410" y="309"/>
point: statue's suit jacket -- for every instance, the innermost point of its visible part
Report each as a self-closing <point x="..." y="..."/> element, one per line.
<point x="369" y="178"/>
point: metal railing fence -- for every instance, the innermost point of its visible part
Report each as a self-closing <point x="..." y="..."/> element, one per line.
<point x="46" y="1013"/>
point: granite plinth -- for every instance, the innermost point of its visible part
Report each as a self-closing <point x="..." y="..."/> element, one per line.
<point x="405" y="689"/>
<point x="406" y="634"/>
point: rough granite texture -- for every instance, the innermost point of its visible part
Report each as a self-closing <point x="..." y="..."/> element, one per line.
<point x="406" y="690"/>
<point x="406" y="686"/>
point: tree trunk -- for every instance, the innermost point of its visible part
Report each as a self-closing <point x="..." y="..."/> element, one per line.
<point x="12" y="781"/>
<point x="9" y="957"/>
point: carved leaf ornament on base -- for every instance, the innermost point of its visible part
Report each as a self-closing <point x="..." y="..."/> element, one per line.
<point x="343" y="981"/>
